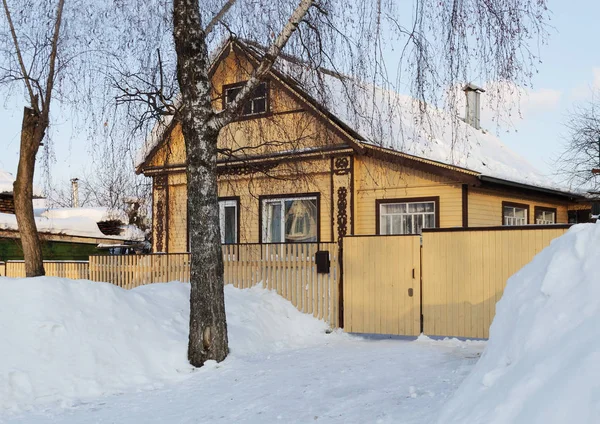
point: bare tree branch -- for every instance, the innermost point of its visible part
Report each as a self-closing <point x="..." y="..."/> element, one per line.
<point x="217" y="18"/>
<point x="24" y="71"/>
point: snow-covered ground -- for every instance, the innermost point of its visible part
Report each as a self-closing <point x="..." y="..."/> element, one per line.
<point x="85" y="352"/>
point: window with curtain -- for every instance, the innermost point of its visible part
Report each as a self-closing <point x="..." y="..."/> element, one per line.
<point x="290" y="220"/>
<point x="406" y="217"/>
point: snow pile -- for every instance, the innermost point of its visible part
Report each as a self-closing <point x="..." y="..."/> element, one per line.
<point x="64" y="341"/>
<point x="542" y="361"/>
<point x="260" y="320"/>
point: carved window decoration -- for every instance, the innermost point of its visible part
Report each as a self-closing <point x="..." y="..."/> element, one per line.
<point x="341" y="166"/>
<point x="342" y="215"/>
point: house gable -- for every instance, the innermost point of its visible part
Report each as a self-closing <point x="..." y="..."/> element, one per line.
<point x="291" y="123"/>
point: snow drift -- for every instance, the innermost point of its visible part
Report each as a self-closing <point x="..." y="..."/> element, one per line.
<point x="63" y="341"/>
<point x="542" y="361"/>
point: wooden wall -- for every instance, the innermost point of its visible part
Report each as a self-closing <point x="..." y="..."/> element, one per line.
<point x="376" y="179"/>
<point x="485" y="207"/>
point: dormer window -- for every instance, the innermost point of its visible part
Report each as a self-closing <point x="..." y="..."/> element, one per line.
<point x="257" y="102"/>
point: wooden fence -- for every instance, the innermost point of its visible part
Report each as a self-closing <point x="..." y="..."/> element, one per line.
<point x="2" y="269"/>
<point x="382" y="284"/>
<point x="65" y="269"/>
<point x="289" y="269"/>
<point x="465" y="272"/>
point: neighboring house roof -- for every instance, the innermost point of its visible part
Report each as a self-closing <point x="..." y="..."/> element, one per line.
<point x="6" y="184"/>
<point x="77" y="222"/>
<point x="375" y="117"/>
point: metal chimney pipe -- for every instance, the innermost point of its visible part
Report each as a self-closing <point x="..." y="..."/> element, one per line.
<point x="75" y="192"/>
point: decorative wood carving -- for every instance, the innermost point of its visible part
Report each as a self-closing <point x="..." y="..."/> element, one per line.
<point x="247" y="169"/>
<point x="160" y="225"/>
<point x="341" y="166"/>
<point x="342" y="215"/>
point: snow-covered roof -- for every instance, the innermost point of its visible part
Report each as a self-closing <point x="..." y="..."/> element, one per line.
<point x="385" y="118"/>
<point x="77" y="222"/>
<point x="6" y="184"/>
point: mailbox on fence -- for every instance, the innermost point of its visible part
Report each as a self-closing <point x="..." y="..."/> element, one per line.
<point x="322" y="261"/>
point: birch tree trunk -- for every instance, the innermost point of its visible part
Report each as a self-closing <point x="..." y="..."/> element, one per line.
<point x="208" y="327"/>
<point x="32" y="132"/>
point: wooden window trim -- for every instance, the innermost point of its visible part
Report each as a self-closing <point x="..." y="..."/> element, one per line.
<point x="241" y="116"/>
<point x="262" y="198"/>
<point x="238" y="208"/>
<point x="537" y="209"/>
<point x="515" y="205"/>
<point x="379" y="202"/>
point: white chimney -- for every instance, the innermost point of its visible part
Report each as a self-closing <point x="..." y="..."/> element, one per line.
<point x="75" y="192"/>
<point x="472" y="108"/>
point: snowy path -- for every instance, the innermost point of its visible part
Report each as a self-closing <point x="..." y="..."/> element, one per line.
<point x="349" y="380"/>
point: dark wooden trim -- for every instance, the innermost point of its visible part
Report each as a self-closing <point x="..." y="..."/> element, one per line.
<point x="238" y="208"/>
<point x="289" y="196"/>
<point x="465" y="205"/>
<point x="515" y="205"/>
<point x="167" y="214"/>
<point x="332" y="198"/>
<point x="537" y="209"/>
<point x="152" y="233"/>
<point x="499" y="228"/>
<point x="379" y="202"/>
<point x="351" y="194"/>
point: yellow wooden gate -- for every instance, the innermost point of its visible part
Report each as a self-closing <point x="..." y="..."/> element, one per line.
<point x="382" y="284"/>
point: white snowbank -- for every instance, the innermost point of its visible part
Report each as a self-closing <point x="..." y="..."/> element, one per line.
<point x="69" y="340"/>
<point x="542" y="361"/>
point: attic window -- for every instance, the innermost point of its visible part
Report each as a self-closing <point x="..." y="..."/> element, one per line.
<point x="255" y="105"/>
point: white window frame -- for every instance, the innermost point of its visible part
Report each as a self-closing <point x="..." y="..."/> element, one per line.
<point x="250" y="100"/>
<point x="545" y="215"/>
<point x="513" y="220"/>
<point x="382" y="228"/>
<point x="227" y="204"/>
<point x="266" y="237"/>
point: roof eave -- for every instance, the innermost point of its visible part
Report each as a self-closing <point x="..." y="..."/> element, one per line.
<point x="568" y="195"/>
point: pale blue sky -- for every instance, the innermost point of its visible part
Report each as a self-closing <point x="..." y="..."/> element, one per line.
<point x="569" y="70"/>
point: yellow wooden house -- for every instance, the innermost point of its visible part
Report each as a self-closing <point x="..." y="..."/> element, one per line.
<point x="310" y="160"/>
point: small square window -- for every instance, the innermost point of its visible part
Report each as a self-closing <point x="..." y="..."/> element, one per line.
<point x="256" y="103"/>
<point x="545" y="216"/>
<point x="514" y="214"/>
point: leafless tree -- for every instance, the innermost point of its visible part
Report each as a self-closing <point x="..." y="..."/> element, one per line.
<point x="34" y="66"/>
<point x="579" y="163"/>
